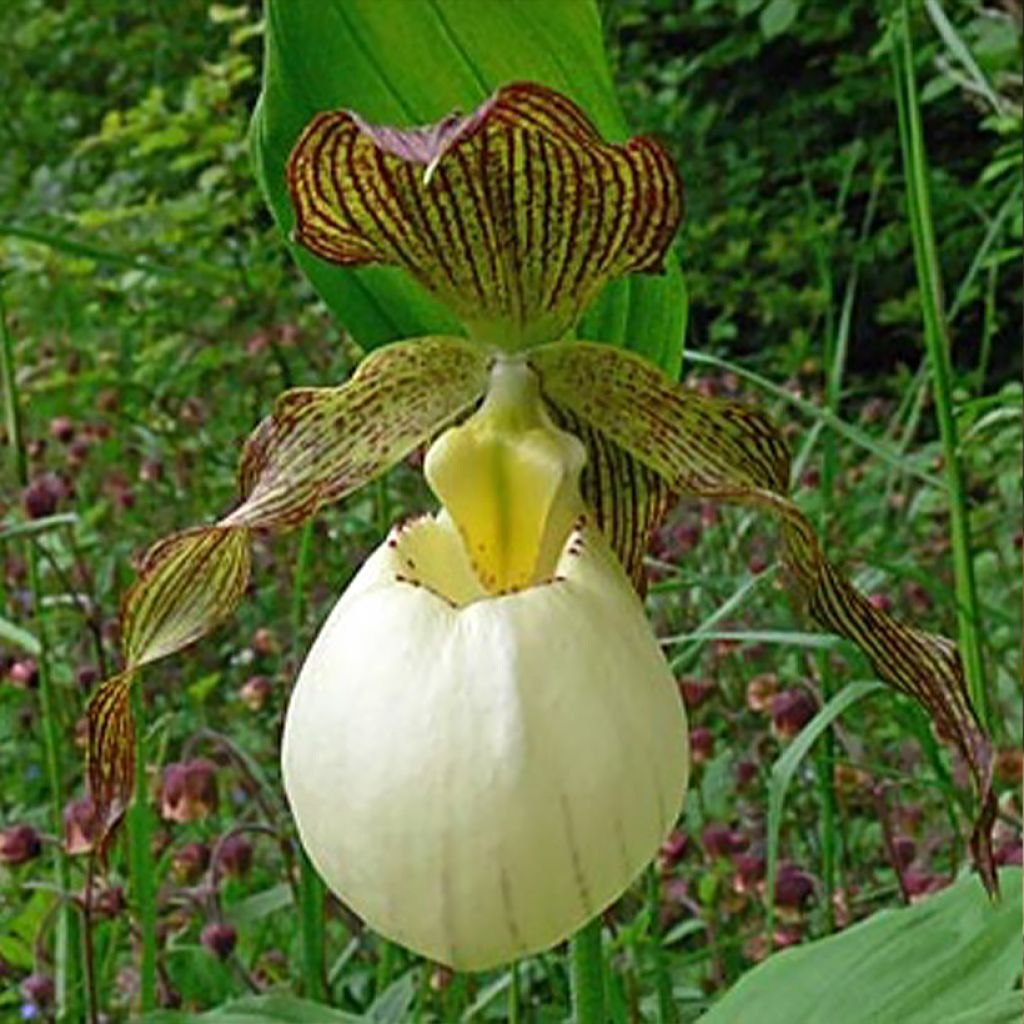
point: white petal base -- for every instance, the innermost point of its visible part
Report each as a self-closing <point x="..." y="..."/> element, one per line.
<point x="477" y="777"/>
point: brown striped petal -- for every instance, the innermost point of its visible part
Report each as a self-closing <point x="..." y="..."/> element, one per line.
<point x="514" y="216"/>
<point x="628" y="499"/>
<point x="319" y="445"/>
<point x="723" y="451"/>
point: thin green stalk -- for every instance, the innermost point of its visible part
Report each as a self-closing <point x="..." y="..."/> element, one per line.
<point x="915" y="164"/>
<point x="587" y="974"/>
<point x="514" y="997"/>
<point x="662" y="981"/>
<point x="142" y="863"/>
<point x="66" y="932"/>
<point x="386" y="953"/>
<point x="311" y="888"/>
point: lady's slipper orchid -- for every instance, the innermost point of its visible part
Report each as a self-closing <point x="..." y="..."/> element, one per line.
<point x="507" y="739"/>
<point x="484" y="745"/>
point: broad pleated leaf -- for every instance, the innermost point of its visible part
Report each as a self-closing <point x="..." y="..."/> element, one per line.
<point x="403" y="63"/>
<point x="938" y="962"/>
<point x="513" y="216"/>
<point x="319" y="444"/>
<point x="723" y="451"/>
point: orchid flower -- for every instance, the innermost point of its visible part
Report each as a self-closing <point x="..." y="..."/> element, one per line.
<point x="485" y="744"/>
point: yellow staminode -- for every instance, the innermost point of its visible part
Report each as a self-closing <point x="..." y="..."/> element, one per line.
<point x="509" y="479"/>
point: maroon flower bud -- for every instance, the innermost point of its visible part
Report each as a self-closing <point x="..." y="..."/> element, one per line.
<point x="109" y="901"/>
<point x="41" y="496"/>
<point x="904" y="850"/>
<point x="254" y="692"/>
<point x="749" y="871"/>
<point x="62" y="428"/>
<point x="791" y="711"/>
<point x="793" y="886"/>
<point x="78" y="452"/>
<point x="883" y="602"/>
<point x="921" y="883"/>
<point x="683" y="539"/>
<point x="188" y="790"/>
<point x="721" y="841"/>
<point x="917" y="597"/>
<point x="38" y="989"/>
<point x="702" y="745"/>
<point x="695" y="693"/>
<point x="235" y="856"/>
<point x="189" y="862"/>
<point x="672" y="850"/>
<point x="81" y="826"/>
<point x="87" y="676"/>
<point x="220" y="938"/>
<point x="745" y="773"/>
<point x="757" y="564"/>
<point x="24" y="674"/>
<point x="19" y="844"/>
<point x="811" y="478"/>
<point x="760" y="691"/>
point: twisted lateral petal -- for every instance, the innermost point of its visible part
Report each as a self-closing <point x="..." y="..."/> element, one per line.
<point x="721" y="450"/>
<point x="514" y="216"/>
<point x="476" y="775"/>
<point x="319" y="444"/>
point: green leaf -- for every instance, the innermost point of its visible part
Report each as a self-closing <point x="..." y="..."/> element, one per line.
<point x="13" y="634"/>
<point x="261" y="904"/>
<point x="392" y="1005"/>
<point x="777" y="17"/>
<point x="369" y="57"/>
<point x="944" y="959"/>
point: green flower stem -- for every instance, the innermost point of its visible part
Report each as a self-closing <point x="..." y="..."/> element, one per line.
<point x="311" y="888"/>
<point x="937" y="343"/>
<point x="142" y="863"/>
<point x="66" y="932"/>
<point x="514" y="997"/>
<point x="662" y="980"/>
<point x="587" y="974"/>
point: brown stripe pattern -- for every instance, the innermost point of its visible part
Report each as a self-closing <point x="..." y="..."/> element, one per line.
<point x="628" y="499"/>
<point x="514" y="216"/>
<point x="319" y="445"/>
<point x="723" y="451"/>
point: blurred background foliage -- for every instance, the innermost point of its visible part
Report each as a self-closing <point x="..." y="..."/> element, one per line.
<point x="156" y="314"/>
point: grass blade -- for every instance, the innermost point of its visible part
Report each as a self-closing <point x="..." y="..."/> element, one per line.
<point x="937" y="344"/>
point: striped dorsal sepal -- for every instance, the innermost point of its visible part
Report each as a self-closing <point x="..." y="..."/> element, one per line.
<point x="722" y="451"/>
<point x="318" y="445"/>
<point x="514" y="216"/>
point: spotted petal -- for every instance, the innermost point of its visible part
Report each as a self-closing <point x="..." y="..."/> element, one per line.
<point x="319" y="445"/>
<point x="514" y="216"/>
<point x="723" y="451"/>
